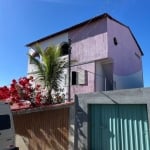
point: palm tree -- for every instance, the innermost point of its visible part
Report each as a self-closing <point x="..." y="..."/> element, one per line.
<point x="50" y="68"/>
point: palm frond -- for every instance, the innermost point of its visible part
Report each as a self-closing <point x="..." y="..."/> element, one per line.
<point x="50" y="66"/>
<point x="39" y="65"/>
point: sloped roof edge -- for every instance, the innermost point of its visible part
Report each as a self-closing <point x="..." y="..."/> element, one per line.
<point x="81" y="24"/>
<point x="136" y="42"/>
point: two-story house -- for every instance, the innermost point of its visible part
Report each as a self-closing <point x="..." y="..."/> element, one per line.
<point x="104" y="55"/>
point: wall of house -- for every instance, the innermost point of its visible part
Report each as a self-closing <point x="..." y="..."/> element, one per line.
<point x="126" y="57"/>
<point x="89" y="79"/>
<point x="56" y="40"/>
<point x="89" y="42"/>
<point x="40" y="129"/>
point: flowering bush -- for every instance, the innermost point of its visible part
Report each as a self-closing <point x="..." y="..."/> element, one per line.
<point x="4" y="92"/>
<point x="23" y="90"/>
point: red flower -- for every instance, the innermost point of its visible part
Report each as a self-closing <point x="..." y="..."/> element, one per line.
<point x="22" y="89"/>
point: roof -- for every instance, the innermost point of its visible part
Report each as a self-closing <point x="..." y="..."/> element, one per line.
<point x="105" y="15"/>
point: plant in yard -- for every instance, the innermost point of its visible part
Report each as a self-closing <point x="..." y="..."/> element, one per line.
<point x="58" y="97"/>
<point x="22" y="90"/>
<point x="50" y="68"/>
<point x="4" y="92"/>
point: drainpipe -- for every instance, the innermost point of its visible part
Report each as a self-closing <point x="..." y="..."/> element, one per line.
<point x="105" y="84"/>
<point x="69" y="70"/>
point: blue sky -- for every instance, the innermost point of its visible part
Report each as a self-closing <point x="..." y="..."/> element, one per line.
<point x="23" y="21"/>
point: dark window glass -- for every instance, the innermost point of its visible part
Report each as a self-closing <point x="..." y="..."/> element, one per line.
<point x="74" y="78"/>
<point x="4" y="122"/>
<point x="64" y="49"/>
<point x="115" y="41"/>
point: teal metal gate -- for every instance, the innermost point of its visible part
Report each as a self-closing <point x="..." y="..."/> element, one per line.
<point x="118" y="127"/>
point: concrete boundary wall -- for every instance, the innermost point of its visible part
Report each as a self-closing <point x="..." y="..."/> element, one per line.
<point x="45" y="127"/>
<point x="128" y="96"/>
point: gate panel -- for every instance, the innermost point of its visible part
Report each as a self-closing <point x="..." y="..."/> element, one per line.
<point x="133" y="127"/>
<point x="118" y="127"/>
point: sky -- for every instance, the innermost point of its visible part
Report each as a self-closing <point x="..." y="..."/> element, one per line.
<point x="24" y="21"/>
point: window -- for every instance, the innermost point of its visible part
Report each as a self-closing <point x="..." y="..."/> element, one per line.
<point x="74" y="78"/>
<point x="64" y="48"/>
<point x="82" y="77"/>
<point x="4" y="122"/>
<point x="115" y="41"/>
<point x="79" y="78"/>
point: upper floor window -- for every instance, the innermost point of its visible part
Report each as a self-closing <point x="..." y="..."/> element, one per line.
<point x="64" y="48"/>
<point x="115" y="41"/>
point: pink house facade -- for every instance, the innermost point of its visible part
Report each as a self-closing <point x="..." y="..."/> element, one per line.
<point x="104" y="56"/>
